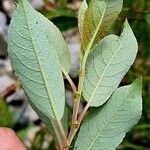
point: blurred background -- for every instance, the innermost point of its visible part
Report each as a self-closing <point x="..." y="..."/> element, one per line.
<point x="14" y="109"/>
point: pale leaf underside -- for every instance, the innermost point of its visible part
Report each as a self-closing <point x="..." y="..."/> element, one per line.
<point x="35" y="61"/>
<point x="107" y="64"/>
<point x="104" y="128"/>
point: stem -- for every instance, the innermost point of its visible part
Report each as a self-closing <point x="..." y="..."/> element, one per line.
<point x="76" y="103"/>
<point x="80" y="87"/>
<point x="75" y="122"/>
<point x="83" y="113"/>
<point x="74" y="89"/>
<point x="72" y="133"/>
<point x="74" y="129"/>
<point x="75" y="111"/>
<point x="82" y="67"/>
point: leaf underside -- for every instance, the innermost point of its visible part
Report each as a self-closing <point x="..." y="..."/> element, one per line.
<point x="34" y="57"/>
<point x="39" y="55"/>
<point x="108" y="125"/>
<point x="107" y="64"/>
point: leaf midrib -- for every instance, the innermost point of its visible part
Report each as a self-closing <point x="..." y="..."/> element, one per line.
<point x="100" y="79"/>
<point x="96" y="31"/>
<point x="40" y="66"/>
<point x="81" y="15"/>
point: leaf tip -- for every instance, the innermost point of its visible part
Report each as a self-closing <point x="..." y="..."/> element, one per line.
<point x="127" y="31"/>
<point x="126" y="24"/>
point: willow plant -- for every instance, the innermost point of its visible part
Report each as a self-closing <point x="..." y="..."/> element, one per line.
<point x="40" y="57"/>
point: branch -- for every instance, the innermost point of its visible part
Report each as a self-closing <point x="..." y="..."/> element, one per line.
<point x="73" y="86"/>
<point x="78" y="123"/>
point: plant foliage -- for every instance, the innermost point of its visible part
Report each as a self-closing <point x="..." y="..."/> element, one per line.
<point x="40" y="56"/>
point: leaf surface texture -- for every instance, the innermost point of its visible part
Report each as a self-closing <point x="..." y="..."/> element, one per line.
<point x="98" y="18"/>
<point x="34" y="56"/>
<point x="107" y="64"/>
<point x="104" y="128"/>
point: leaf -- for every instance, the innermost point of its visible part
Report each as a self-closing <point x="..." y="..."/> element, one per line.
<point x="81" y="14"/>
<point x="63" y="18"/>
<point x="65" y="119"/>
<point x="51" y="123"/>
<point x="107" y="64"/>
<point x="56" y="39"/>
<point x="108" y="125"/>
<point x="6" y="119"/>
<point x="34" y="57"/>
<point x="98" y="18"/>
<point x="58" y="12"/>
<point x="65" y="23"/>
<point x="147" y="19"/>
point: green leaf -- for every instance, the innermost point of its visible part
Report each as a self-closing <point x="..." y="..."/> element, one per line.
<point x="65" y="119"/>
<point x="81" y="14"/>
<point x="58" y="12"/>
<point x="63" y="2"/>
<point x="56" y="39"/>
<point x="108" y="125"/>
<point x="98" y="18"/>
<point x="65" y="23"/>
<point x="147" y="18"/>
<point x="63" y="18"/>
<point x="6" y="119"/>
<point x="57" y="42"/>
<point x="107" y="64"/>
<point x="51" y="123"/>
<point x="33" y="44"/>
